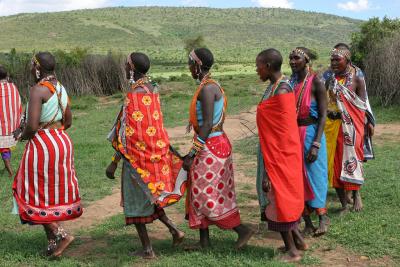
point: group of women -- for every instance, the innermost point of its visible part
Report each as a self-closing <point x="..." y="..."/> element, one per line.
<point x="294" y="161"/>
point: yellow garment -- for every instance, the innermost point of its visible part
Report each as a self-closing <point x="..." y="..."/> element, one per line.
<point x="331" y="133"/>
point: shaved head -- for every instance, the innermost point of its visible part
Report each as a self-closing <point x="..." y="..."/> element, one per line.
<point x="272" y="57"/>
<point x="47" y="61"/>
<point x="141" y="62"/>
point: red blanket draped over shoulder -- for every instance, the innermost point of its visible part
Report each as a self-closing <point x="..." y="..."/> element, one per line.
<point x="281" y="150"/>
<point x="144" y="141"/>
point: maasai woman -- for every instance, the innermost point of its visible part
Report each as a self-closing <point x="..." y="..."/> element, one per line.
<point x="332" y="125"/>
<point x="345" y="127"/>
<point x="152" y="177"/>
<point x="211" y="195"/>
<point x="46" y="187"/>
<point x="280" y="155"/>
<point x="311" y="103"/>
<point x="10" y="117"/>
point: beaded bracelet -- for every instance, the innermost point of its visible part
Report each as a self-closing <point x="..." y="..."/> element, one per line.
<point x="115" y="158"/>
<point x="316" y="145"/>
<point x="198" y="145"/>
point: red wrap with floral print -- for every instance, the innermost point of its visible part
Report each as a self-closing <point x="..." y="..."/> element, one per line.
<point x="143" y="141"/>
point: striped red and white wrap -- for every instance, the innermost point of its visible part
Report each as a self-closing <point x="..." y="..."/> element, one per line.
<point x="46" y="187"/>
<point x="10" y="113"/>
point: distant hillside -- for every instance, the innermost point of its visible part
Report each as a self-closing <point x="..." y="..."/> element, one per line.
<point x="235" y="35"/>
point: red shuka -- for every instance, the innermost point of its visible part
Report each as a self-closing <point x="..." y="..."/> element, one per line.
<point x="281" y="150"/>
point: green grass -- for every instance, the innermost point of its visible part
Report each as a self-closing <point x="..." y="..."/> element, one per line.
<point x="389" y="114"/>
<point x="374" y="231"/>
<point x="235" y="35"/>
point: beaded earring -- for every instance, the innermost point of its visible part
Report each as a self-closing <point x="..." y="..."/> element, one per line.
<point x="37" y="74"/>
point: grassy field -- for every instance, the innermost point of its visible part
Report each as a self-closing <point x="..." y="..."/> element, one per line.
<point x="235" y="35"/>
<point x="373" y="232"/>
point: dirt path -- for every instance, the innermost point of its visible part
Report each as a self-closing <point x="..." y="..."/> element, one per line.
<point x="237" y="127"/>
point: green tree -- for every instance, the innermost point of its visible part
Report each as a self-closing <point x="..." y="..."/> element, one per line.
<point x="373" y="32"/>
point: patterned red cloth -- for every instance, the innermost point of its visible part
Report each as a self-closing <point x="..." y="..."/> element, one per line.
<point x="45" y="186"/>
<point x="359" y="148"/>
<point x="10" y="113"/>
<point x="143" y="141"/>
<point x="348" y="162"/>
<point x="212" y="198"/>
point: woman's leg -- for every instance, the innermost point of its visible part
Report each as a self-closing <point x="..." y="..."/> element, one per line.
<point x="204" y="238"/>
<point x="147" y="252"/>
<point x="50" y="230"/>
<point x="177" y="234"/>
<point x="63" y="239"/>
<point x="244" y="235"/>
<point x="293" y="254"/>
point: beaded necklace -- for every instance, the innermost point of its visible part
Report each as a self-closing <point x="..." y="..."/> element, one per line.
<point x="139" y="83"/>
<point x="47" y="78"/>
<point x="299" y="99"/>
<point x="270" y="91"/>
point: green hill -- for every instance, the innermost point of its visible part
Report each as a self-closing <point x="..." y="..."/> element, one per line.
<point x="235" y="35"/>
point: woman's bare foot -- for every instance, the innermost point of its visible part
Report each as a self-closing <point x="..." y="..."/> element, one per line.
<point x="62" y="245"/>
<point x="244" y="237"/>
<point x="290" y="257"/>
<point x="324" y="223"/>
<point x="349" y="197"/>
<point x="147" y="255"/>
<point x="358" y="205"/>
<point x="299" y="240"/>
<point x="177" y="238"/>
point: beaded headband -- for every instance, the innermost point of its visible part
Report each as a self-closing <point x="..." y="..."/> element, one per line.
<point x="344" y="53"/>
<point x="301" y="52"/>
<point x="195" y="58"/>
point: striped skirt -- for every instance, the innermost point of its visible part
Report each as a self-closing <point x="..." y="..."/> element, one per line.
<point x="45" y="186"/>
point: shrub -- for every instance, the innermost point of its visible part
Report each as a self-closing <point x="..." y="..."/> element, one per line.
<point x="383" y="71"/>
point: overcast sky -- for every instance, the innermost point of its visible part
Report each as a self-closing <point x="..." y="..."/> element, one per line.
<point x="361" y="9"/>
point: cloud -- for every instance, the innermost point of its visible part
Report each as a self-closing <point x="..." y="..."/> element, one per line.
<point x="274" y="3"/>
<point x="9" y="7"/>
<point x="356" y="6"/>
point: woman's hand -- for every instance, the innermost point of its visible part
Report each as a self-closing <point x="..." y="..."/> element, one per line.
<point x="312" y="154"/>
<point x="187" y="162"/>
<point x="371" y="129"/>
<point x="266" y="185"/>
<point x="17" y="134"/>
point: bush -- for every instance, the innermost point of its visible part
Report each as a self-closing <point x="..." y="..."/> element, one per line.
<point x="383" y="71"/>
<point x="80" y="72"/>
<point x="373" y="32"/>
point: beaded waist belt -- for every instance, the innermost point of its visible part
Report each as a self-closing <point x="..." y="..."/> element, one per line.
<point x="306" y="121"/>
<point x="334" y="115"/>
